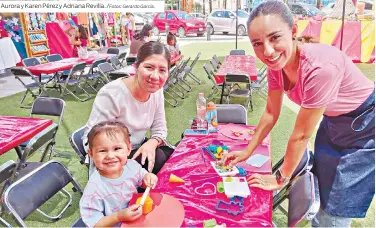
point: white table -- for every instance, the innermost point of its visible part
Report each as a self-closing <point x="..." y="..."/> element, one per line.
<point x="9" y="56"/>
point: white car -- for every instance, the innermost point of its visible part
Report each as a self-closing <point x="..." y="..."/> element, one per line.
<point x="225" y="21"/>
<point x="328" y="9"/>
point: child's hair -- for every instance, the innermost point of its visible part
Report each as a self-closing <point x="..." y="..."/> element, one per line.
<point x="171" y="37"/>
<point x="144" y="32"/>
<point x="111" y="129"/>
<point x="82" y="31"/>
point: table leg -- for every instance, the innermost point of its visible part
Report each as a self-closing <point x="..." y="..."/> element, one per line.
<point x="223" y="90"/>
<point x="19" y="152"/>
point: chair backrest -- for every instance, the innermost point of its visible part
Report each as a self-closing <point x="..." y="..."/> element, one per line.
<point x="195" y="60"/>
<point x="214" y="64"/>
<point x="216" y="59"/>
<point x="115" y="62"/>
<point x="28" y="62"/>
<point x="237" y="78"/>
<point x="54" y="57"/>
<point x="77" y="70"/>
<point x="105" y="68"/>
<point x="183" y="65"/>
<point x="130" y="60"/>
<point x="78" y="145"/>
<point x="21" y="72"/>
<point x="237" y="52"/>
<point x="48" y="106"/>
<point x="232" y="113"/>
<point x="208" y="71"/>
<point x="304" y="199"/>
<point x="114" y="51"/>
<point x="32" y="190"/>
<point x="304" y="165"/>
<point x="96" y="63"/>
<point x="122" y="56"/>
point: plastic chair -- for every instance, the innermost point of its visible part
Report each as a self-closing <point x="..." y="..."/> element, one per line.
<point x="232" y="113"/>
<point x="237" y="52"/>
<point x="30" y="192"/>
<point x="23" y="74"/>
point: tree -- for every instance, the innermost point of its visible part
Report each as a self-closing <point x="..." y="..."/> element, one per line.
<point x="210" y="6"/>
<point x="225" y="4"/>
<point x="197" y="7"/>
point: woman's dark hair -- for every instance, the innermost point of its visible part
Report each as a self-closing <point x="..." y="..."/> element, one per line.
<point x="152" y="48"/>
<point x="171" y="37"/>
<point x="145" y="32"/>
<point x="111" y="129"/>
<point x="82" y="31"/>
<point x="272" y="8"/>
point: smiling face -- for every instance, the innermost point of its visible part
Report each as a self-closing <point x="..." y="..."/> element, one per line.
<point x="271" y="39"/>
<point x="109" y="154"/>
<point x="152" y="73"/>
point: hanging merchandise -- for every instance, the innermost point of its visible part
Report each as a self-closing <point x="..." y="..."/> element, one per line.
<point x="14" y="29"/>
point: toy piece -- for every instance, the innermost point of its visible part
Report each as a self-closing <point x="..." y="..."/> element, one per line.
<point x="242" y="171"/>
<point x="228" y="207"/>
<point x="220" y="187"/>
<point x="175" y="179"/>
<point x="147" y="205"/>
<point x="251" y="132"/>
<point x="237" y="199"/>
<point x="236" y="133"/>
<point x="236" y="186"/>
<point x="224" y="170"/>
<point x="204" y="191"/>
<point x="210" y="223"/>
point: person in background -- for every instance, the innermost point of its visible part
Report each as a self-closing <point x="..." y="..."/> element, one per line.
<point x="124" y="29"/>
<point x="172" y="44"/>
<point x="105" y="201"/>
<point x="78" y="39"/>
<point x="140" y="39"/>
<point x="330" y="88"/>
<point x="131" y="26"/>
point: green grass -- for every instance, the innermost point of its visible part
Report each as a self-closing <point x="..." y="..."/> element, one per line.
<point x="76" y="115"/>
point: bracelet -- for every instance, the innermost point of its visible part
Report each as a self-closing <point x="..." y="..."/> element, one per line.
<point x="159" y="141"/>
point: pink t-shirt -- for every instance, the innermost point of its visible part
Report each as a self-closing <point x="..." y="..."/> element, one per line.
<point x="327" y="77"/>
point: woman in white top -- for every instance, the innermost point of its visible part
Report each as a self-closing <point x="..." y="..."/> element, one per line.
<point x="138" y="103"/>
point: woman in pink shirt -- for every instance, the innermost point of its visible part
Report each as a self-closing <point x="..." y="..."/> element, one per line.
<point x="78" y="39"/>
<point x="324" y="82"/>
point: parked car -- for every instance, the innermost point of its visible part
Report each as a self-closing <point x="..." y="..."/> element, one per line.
<point x="225" y="21"/>
<point x="328" y="9"/>
<point x="198" y="15"/>
<point x="146" y="18"/>
<point x="180" y="23"/>
<point x="305" y="10"/>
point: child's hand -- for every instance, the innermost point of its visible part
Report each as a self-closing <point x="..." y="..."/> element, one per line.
<point x="130" y="214"/>
<point x="150" y="180"/>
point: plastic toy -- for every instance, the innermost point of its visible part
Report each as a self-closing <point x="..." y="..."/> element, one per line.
<point x="220" y="187"/>
<point x="242" y="171"/>
<point x="251" y="132"/>
<point x="236" y="133"/>
<point x="237" y="199"/>
<point x="228" y="207"/>
<point x="210" y="223"/>
<point x="148" y="205"/>
<point x="216" y="149"/>
<point x="236" y="186"/>
<point x="175" y="179"/>
<point x="203" y="190"/>
<point x="223" y="170"/>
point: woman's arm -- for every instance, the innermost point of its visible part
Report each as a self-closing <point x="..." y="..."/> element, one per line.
<point x="159" y="126"/>
<point x="268" y="119"/>
<point x="73" y="40"/>
<point x="304" y="127"/>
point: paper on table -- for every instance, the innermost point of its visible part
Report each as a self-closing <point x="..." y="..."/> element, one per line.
<point x="257" y="160"/>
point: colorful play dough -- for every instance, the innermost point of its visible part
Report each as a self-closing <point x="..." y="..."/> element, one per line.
<point x="148" y="205"/>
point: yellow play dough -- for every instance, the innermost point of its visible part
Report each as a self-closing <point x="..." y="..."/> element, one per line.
<point x="148" y="205"/>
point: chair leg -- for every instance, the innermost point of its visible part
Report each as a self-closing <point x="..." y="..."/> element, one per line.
<point x="196" y="79"/>
<point x="23" y="99"/>
<point x="175" y="101"/>
<point x="177" y="92"/>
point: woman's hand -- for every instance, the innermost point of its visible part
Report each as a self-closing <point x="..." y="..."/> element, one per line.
<point x="266" y="182"/>
<point x="148" y="151"/>
<point x="150" y="180"/>
<point x="130" y="214"/>
<point x="235" y="157"/>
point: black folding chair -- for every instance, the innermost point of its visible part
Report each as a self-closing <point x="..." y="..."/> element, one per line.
<point x="237" y="52"/>
<point x="75" y="78"/>
<point x="33" y="61"/>
<point x="215" y="88"/>
<point x="116" y="63"/>
<point x="77" y="144"/>
<point x="94" y="75"/>
<point x="122" y="56"/>
<point x="105" y="69"/>
<point x="36" y="88"/>
<point x="79" y="223"/>
<point x="239" y="79"/>
<point x="188" y="70"/>
<point x="114" y="51"/>
<point x="54" y="58"/>
<point x="31" y="191"/>
<point x="130" y="60"/>
<point x="214" y="65"/>
<point x="231" y="113"/>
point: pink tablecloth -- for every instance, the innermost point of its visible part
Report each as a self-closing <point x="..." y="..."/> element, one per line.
<point x="187" y="162"/>
<point x="65" y="64"/>
<point x="238" y="64"/>
<point x="15" y="130"/>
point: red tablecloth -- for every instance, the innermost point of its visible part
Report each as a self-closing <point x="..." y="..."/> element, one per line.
<point x="187" y="162"/>
<point x="65" y="64"/>
<point x="15" y="130"/>
<point x="238" y="64"/>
